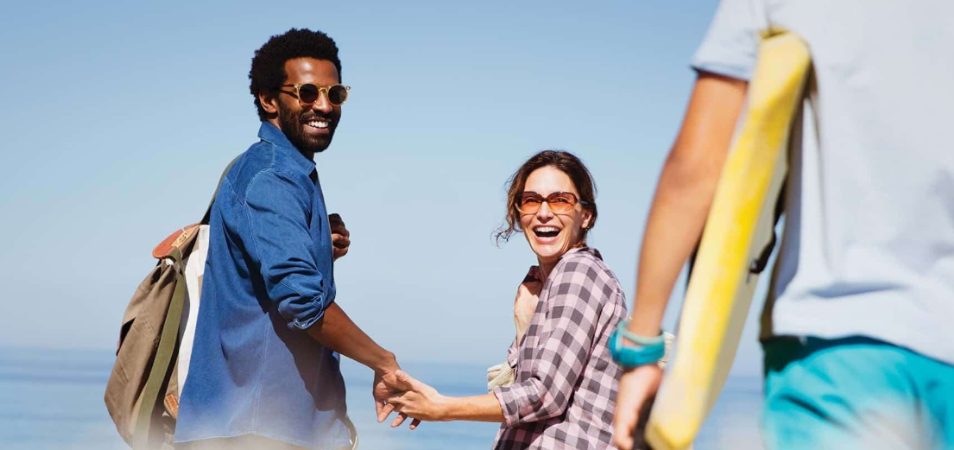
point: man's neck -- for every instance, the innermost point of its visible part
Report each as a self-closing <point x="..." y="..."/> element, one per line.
<point x="305" y="153"/>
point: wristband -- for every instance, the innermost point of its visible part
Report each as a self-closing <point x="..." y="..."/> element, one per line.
<point x="646" y="350"/>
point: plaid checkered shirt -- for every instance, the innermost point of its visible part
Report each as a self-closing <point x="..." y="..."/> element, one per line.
<point x="565" y="387"/>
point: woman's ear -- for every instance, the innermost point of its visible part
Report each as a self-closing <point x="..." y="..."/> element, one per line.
<point x="269" y="102"/>
<point x="587" y="219"/>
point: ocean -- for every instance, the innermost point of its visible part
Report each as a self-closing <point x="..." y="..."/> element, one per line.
<point x="53" y="399"/>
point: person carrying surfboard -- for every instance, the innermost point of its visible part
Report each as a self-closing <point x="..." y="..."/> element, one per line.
<point x="858" y="352"/>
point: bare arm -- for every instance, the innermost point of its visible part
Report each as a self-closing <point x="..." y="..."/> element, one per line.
<point x="483" y="408"/>
<point x="683" y="196"/>
<point x="336" y="331"/>
<point x="423" y="402"/>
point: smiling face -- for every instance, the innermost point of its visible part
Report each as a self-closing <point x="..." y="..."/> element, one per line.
<point x="550" y="235"/>
<point x="309" y="127"/>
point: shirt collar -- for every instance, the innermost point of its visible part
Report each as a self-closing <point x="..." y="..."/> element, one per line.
<point x="584" y="249"/>
<point x="271" y="134"/>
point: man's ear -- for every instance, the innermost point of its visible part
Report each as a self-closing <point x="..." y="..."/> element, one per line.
<point x="269" y="102"/>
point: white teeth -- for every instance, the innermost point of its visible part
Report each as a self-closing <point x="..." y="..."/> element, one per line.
<point x="546" y="229"/>
<point x="318" y="124"/>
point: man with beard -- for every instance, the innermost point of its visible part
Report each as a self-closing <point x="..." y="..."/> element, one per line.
<point x="264" y="371"/>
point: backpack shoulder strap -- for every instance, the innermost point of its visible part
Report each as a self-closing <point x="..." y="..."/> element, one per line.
<point x="208" y="211"/>
<point x="162" y="367"/>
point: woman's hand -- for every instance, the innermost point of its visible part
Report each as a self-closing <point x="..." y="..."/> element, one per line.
<point x="525" y="303"/>
<point x="418" y="400"/>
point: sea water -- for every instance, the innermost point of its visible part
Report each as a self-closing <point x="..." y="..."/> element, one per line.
<point x="53" y="399"/>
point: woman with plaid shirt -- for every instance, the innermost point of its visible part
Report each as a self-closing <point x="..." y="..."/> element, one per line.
<point x="564" y="377"/>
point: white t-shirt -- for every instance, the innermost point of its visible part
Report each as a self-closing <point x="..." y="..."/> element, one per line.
<point x="868" y="246"/>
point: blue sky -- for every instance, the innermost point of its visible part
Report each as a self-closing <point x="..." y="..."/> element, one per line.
<point x="118" y="118"/>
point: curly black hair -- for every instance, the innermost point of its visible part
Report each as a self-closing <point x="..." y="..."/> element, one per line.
<point x="268" y="64"/>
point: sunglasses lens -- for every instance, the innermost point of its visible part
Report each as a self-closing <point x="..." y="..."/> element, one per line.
<point x="529" y="204"/>
<point x="561" y="203"/>
<point x="308" y="93"/>
<point x="337" y="94"/>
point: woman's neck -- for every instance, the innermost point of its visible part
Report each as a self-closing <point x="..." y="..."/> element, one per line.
<point x="545" y="269"/>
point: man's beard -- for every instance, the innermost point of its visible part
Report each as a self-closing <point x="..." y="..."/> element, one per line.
<point x="292" y="125"/>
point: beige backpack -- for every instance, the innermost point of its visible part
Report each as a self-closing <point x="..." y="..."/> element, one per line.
<point x="142" y="394"/>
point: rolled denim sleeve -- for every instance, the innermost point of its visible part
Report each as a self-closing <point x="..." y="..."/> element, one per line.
<point x="574" y="304"/>
<point x="278" y="206"/>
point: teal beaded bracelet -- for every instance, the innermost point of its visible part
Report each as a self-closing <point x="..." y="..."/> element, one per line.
<point x="646" y="350"/>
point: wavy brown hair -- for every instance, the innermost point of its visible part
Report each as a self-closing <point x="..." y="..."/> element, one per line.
<point x="567" y="163"/>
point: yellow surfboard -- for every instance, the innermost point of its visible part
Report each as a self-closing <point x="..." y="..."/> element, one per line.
<point x="737" y="230"/>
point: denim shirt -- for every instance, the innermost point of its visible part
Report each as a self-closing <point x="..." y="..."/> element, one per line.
<point x="268" y="277"/>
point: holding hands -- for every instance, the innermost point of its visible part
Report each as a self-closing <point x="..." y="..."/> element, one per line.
<point x="386" y="386"/>
<point x="417" y="400"/>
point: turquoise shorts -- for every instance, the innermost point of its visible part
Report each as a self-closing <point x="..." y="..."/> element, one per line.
<point x="855" y="393"/>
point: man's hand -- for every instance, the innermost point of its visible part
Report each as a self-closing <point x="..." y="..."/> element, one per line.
<point x="340" y="236"/>
<point x="381" y="392"/>
<point x="418" y="400"/>
<point x="387" y="385"/>
<point x="525" y="303"/>
<point x="636" y="387"/>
